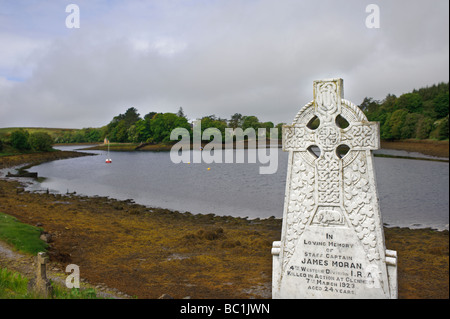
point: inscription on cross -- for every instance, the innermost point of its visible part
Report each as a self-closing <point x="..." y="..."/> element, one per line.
<point x="332" y="242"/>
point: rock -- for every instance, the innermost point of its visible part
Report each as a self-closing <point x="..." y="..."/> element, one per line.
<point x="46" y="237"/>
<point x="165" y="296"/>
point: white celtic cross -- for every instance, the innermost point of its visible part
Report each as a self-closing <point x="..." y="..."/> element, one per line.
<point x="358" y="136"/>
<point x="331" y="199"/>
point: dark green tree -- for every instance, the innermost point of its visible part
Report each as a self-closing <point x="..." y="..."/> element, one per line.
<point x="131" y="116"/>
<point x="162" y="125"/>
<point x="19" y="140"/>
<point x="235" y="121"/>
<point x="411" y="102"/>
<point x="424" y="127"/>
<point x="180" y="112"/>
<point x="369" y="105"/>
<point x="409" y="127"/>
<point x="92" y="135"/>
<point x="141" y="131"/>
<point x="149" y="116"/>
<point x="40" y="142"/>
<point x="441" y="105"/>
<point x="386" y="128"/>
<point x="212" y="121"/>
<point x="120" y="132"/>
<point x="389" y="103"/>
<point x="443" y="129"/>
<point x="396" y="123"/>
<point x="250" y="122"/>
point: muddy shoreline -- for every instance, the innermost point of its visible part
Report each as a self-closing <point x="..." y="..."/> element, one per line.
<point x="427" y="147"/>
<point x="146" y="252"/>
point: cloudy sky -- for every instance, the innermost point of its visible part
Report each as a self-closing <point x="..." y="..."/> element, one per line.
<point x="254" y="57"/>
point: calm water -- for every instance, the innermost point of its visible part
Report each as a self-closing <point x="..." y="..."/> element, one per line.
<point x="412" y="193"/>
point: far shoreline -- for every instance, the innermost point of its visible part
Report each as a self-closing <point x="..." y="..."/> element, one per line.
<point x="435" y="148"/>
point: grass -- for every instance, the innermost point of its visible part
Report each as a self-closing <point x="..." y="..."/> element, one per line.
<point x="75" y="293"/>
<point x="23" y="237"/>
<point x="15" y="286"/>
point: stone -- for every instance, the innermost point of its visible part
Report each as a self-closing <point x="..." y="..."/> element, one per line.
<point x="41" y="284"/>
<point x="332" y="242"/>
<point x="46" y="237"/>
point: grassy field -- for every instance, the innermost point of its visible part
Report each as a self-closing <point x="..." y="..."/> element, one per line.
<point x="23" y="237"/>
<point x="26" y="239"/>
<point x="15" y="286"/>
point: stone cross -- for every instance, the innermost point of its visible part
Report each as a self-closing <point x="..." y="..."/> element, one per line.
<point x="332" y="242"/>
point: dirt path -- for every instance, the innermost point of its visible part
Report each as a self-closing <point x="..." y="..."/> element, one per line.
<point x="15" y="261"/>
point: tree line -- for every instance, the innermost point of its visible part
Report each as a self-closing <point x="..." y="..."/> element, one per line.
<point x="420" y="114"/>
<point x="22" y="140"/>
<point x="154" y="127"/>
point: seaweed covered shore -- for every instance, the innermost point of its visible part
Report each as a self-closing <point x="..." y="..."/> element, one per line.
<point x="146" y="252"/>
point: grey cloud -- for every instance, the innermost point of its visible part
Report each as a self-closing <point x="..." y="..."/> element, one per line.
<point x="223" y="57"/>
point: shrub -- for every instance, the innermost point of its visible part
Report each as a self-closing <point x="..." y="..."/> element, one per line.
<point x="443" y="129"/>
<point x="40" y="142"/>
<point x="19" y="140"/>
<point x="424" y="127"/>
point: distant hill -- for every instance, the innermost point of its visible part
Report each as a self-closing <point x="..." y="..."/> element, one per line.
<point x="53" y="132"/>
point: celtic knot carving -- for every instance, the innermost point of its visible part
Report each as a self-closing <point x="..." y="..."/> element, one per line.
<point x="328" y="176"/>
<point x="331" y="197"/>
<point x="297" y="137"/>
<point x="358" y="199"/>
<point x="363" y="136"/>
<point x="328" y="137"/>
<point x="301" y="203"/>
